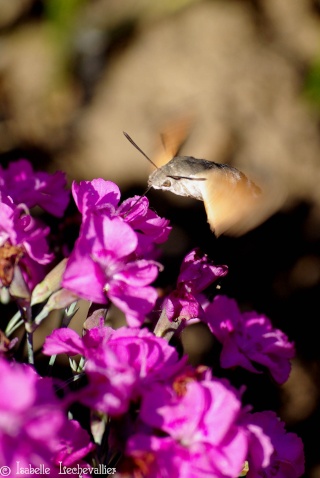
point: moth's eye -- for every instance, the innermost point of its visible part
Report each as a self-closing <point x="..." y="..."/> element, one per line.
<point x="166" y="183"/>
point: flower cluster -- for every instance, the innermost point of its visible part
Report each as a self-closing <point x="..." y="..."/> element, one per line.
<point x="145" y="411"/>
<point x="110" y="247"/>
<point x="34" y="426"/>
<point x="23" y="237"/>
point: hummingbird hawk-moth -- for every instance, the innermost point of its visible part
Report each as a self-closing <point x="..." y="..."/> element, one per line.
<point x="234" y="204"/>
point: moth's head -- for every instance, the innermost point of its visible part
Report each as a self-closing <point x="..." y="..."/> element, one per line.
<point x="160" y="180"/>
<point x="180" y="185"/>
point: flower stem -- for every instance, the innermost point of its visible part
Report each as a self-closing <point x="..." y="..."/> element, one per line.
<point x="26" y="315"/>
<point x="166" y="328"/>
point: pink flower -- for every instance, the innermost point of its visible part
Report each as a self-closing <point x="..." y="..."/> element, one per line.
<point x="73" y="446"/>
<point x="196" y="274"/>
<point x="150" y="228"/>
<point x="154" y="457"/>
<point x="110" y="381"/>
<point x="23" y="242"/>
<point x="108" y="262"/>
<point x="287" y="457"/>
<point x="102" y="197"/>
<point x="151" y="357"/>
<point x="120" y="364"/>
<point x="33" y="424"/>
<point x="31" y="188"/>
<point x="103" y="267"/>
<point x="193" y="431"/>
<point x="98" y="196"/>
<point x="249" y="339"/>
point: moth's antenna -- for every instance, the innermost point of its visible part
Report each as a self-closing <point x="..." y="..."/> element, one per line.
<point x="139" y="149"/>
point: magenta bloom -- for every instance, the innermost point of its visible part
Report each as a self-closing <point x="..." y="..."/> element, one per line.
<point x="26" y="186"/>
<point x="106" y="263"/>
<point x="151" y="357"/>
<point x="110" y="384"/>
<point x="98" y="196"/>
<point x="103" y="267"/>
<point x="73" y="445"/>
<point x="120" y="364"/>
<point x="196" y="274"/>
<point x="150" y="228"/>
<point x="102" y="197"/>
<point x="34" y="428"/>
<point x="194" y="430"/>
<point x="23" y="242"/>
<point x="152" y="456"/>
<point x="287" y="457"/>
<point x="110" y="381"/>
<point x="249" y="339"/>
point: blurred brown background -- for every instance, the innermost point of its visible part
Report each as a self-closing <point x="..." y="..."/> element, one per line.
<point x="75" y="74"/>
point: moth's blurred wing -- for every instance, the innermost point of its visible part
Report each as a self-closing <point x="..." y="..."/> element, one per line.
<point x="173" y="134"/>
<point x="234" y="204"/>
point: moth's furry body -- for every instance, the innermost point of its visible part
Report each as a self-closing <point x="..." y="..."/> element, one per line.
<point x="184" y="175"/>
<point x="234" y="204"/>
<point x="228" y="195"/>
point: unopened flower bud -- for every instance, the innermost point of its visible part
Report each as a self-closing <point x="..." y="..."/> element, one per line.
<point x="18" y="287"/>
<point x="50" y="284"/>
<point x="59" y="300"/>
